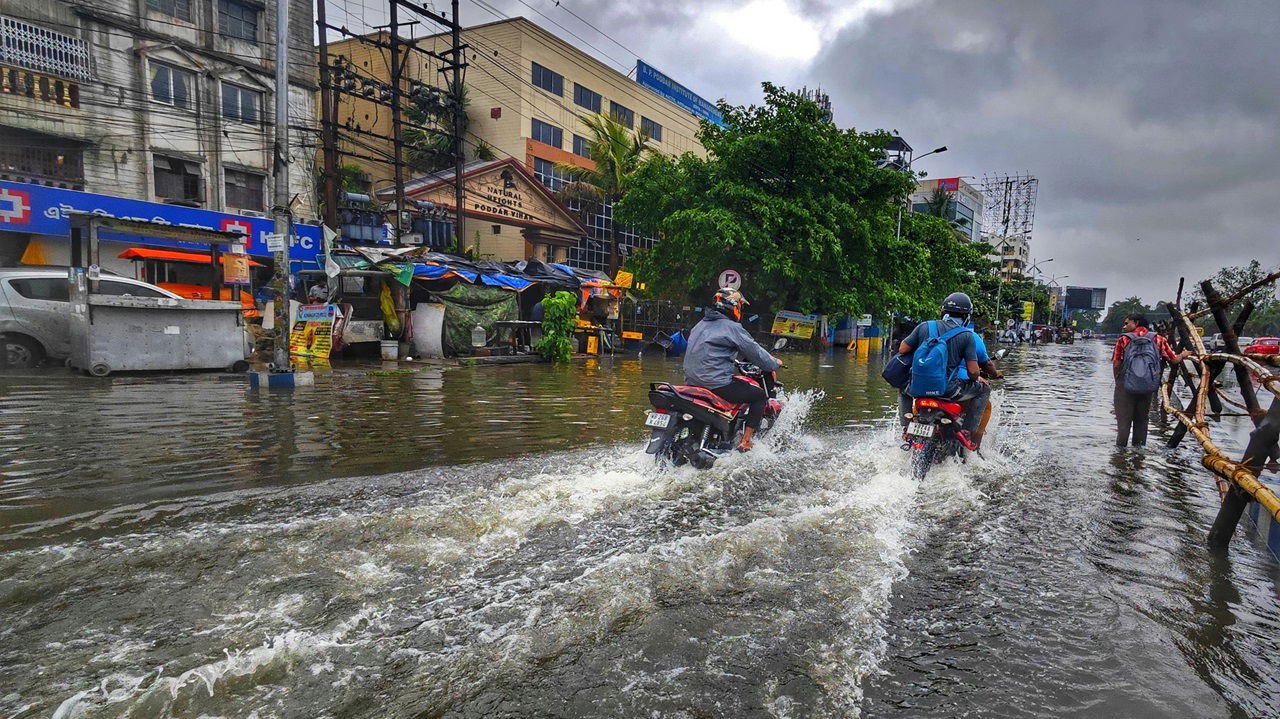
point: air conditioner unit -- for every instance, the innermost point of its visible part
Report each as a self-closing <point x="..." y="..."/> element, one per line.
<point x="253" y="213"/>
<point x="411" y="238"/>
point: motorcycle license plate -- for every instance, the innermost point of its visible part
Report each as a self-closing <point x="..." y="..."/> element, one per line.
<point x="657" y="420"/>
<point x="921" y="430"/>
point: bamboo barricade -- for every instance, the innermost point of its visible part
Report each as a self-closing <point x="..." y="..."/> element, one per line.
<point x="1238" y="482"/>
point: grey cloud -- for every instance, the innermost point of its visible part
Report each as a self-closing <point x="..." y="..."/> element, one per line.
<point x="1146" y="118"/>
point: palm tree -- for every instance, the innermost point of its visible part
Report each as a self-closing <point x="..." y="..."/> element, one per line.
<point x="616" y="152"/>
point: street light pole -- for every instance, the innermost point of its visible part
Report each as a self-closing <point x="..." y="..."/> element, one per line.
<point x="897" y="235"/>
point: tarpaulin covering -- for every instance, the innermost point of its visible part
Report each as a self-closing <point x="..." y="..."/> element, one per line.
<point x="465" y="306"/>
<point x="440" y="272"/>
<point x="511" y="282"/>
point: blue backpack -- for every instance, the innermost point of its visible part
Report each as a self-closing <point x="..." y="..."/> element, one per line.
<point x="929" y="375"/>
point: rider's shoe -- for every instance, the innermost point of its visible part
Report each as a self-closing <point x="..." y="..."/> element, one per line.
<point x="969" y="444"/>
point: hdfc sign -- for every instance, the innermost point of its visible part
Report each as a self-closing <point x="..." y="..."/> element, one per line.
<point x="15" y="206"/>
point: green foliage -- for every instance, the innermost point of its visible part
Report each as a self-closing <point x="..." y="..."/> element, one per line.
<point x="1123" y="308"/>
<point x="558" y="314"/>
<point x="616" y="152"/>
<point x="1085" y="319"/>
<point x="428" y="132"/>
<point x="801" y="208"/>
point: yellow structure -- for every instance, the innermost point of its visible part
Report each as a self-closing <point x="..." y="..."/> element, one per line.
<point x="526" y="90"/>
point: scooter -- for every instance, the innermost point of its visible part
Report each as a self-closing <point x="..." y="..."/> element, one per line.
<point x="695" y="426"/>
<point x="931" y="434"/>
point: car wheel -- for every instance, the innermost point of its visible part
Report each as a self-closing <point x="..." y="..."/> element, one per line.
<point x="22" y="352"/>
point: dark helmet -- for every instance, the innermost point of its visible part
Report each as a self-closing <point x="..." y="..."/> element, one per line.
<point x="729" y="302"/>
<point x="957" y="303"/>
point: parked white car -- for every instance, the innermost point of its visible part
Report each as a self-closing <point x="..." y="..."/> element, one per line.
<point x="35" y="311"/>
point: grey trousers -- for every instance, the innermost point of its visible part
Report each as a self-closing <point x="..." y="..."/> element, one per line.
<point x="1132" y="411"/>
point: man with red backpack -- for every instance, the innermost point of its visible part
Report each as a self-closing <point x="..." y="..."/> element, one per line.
<point x="1136" y="365"/>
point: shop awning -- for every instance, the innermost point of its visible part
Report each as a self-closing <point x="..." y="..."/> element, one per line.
<point x="147" y="253"/>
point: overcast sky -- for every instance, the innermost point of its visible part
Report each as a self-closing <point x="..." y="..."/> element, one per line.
<point x="1151" y="124"/>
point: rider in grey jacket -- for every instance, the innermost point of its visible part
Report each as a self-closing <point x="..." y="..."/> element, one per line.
<point x="713" y="345"/>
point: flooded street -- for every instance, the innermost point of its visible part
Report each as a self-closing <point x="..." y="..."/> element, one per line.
<point x="492" y="542"/>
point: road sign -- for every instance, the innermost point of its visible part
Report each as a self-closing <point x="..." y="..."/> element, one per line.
<point x="864" y="321"/>
<point x="623" y="279"/>
<point x="731" y="279"/>
<point x="1028" y="310"/>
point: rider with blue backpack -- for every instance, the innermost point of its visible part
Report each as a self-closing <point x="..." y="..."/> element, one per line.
<point x="945" y="364"/>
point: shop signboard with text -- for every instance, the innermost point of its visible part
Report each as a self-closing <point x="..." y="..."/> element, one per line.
<point x="794" y="324"/>
<point x="44" y="210"/>
<point x="312" y="333"/>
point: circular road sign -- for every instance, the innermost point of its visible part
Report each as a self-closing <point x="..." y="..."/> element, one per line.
<point x="731" y="279"/>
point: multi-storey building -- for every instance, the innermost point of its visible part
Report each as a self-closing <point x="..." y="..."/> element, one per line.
<point x="1011" y="253"/>
<point x="964" y="208"/>
<point x="165" y="101"/>
<point x="527" y="91"/>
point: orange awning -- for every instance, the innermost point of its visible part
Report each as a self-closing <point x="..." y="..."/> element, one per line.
<point x="147" y="253"/>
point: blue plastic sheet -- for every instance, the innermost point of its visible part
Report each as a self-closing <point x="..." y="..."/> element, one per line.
<point x="508" y="281"/>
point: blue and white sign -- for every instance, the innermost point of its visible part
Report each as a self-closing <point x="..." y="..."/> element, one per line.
<point x="650" y="77"/>
<point x="45" y="211"/>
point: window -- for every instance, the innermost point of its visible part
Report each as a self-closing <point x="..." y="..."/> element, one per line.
<point x="238" y="20"/>
<point x="545" y="172"/>
<point x="177" y="179"/>
<point x="241" y="103"/>
<point x="180" y="9"/>
<point x="549" y="134"/>
<point x="580" y="146"/>
<point x="170" y="85"/>
<point x="622" y="114"/>
<point x="651" y="128"/>
<point x="116" y="287"/>
<point x="51" y="289"/>
<point x="36" y="48"/>
<point x="552" y="82"/>
<point x="243" y="190"/>
<point x="586" y="97"/>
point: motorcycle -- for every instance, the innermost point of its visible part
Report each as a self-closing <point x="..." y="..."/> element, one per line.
<point x="931" y="433"/>
<point x="695" y="426"/>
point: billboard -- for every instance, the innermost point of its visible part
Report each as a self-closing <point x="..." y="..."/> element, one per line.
<point x="46" y="211"/>
<point x="1086" y="298"/>
<point x="650" y="77"/>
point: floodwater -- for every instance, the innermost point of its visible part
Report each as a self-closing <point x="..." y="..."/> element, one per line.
<point x="492" y="542"/>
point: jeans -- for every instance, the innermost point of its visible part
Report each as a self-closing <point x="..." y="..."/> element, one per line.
<point x="739" y="392"/>
<point x="1132" y="410"/>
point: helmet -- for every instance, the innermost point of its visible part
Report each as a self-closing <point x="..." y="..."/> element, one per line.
<point x="729" y="302"/>
<point x="957" y="303"/>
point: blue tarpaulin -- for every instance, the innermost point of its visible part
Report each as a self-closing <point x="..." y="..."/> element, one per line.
<point x="436" y="272"/>
<point x="508" y="281"/>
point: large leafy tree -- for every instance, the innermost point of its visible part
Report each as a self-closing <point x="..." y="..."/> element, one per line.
<point x="616" y="152"/>
<point x="799" y="206"/>
<point x="1120" y="309"/>
<point x="428" y="134"/>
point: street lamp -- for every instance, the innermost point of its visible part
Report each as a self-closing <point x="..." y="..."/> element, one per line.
<point x="897" y="235"/>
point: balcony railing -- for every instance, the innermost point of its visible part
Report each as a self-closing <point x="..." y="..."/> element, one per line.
<point x="55" y="166"/>
<point x="32" y="47"/>
<point x="39" y="87"/>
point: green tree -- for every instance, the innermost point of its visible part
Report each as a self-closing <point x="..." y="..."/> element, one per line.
<point x="801" y="207"/>
<point x="1120" y="309"/>
<point x="1011" y="293"/>
<point x="559" y="311"/>
<point x="616" y="152"/>
<point x="429" y="137"/>
<point x="1084" y="319"/>
<point x="1229" y="280"/>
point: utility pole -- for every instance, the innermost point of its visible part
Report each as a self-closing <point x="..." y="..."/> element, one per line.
<point x="397" y="135"/>
<point x="458" y="123"/>
<point x="280" y="206"/>
<point x="328" y="124"/>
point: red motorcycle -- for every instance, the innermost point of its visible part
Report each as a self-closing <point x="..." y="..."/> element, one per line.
<point x="693" y="425"/>
<point x="931" y="433"/>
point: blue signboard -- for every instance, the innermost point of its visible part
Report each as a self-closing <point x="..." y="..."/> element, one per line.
<point x="652" y="78"/>
<point x="45" y="210"/>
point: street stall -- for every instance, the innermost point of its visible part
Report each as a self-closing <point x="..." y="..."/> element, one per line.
<point x="192" y="275"/>
<point x="111" y="333"/>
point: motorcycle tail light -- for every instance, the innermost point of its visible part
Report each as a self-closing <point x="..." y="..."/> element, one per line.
<point x="659" y="411"/>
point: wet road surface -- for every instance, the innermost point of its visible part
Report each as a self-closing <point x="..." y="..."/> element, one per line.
<point x="491" y="542"/>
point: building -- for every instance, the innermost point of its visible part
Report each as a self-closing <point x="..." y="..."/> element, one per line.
<point x="526" y="91"/>
<point x="964" y="207"/>
<point x="1011" y="253"/>
<point x="162" y="101"/>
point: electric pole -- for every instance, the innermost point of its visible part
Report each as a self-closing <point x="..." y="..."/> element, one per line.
<point x="280" y="206"/>
<point x="328" y="124"/>
<point x="397" y="135"/>
<point x="459" y="119"/>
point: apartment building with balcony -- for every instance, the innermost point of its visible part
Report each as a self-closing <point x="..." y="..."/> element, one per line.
<point x="964" y="206"/>
<point x="1011" y="254"/>
<point x="167" y="101"/>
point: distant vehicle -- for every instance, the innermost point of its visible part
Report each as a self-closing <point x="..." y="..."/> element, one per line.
<point x="1264" y="346"/>
<point x="1214" y="343"/>
<point x="1243" y="342"/>
<point x="35" y="310"/>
